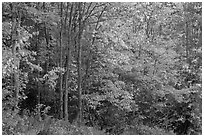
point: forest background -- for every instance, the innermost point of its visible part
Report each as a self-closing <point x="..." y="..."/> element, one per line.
<point x="101" y="68"/>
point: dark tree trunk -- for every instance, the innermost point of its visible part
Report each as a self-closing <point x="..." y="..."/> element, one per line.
<point x="61" y="81"/>
<point x="68" y="62"/>
<point x="15" y="36"/>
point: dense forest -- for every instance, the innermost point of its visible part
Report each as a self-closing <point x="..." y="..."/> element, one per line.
<point x="97" y="68"/>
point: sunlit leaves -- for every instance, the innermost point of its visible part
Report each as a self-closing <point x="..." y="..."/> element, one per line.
<point x="51" y="78"/>
<point x="7" y="63"/>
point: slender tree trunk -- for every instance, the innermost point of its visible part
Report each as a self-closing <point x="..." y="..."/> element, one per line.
<point x="46" y="33"/>
<point x="68" y="63"/>
<point x="187" y="44"/>
<point x="186" y="33"/>
<point x="154" y="69"/>
<point x="38" y="82"/>
<point x="15" y="48"/>
<point x="79" y="65"/>
<point x="61" y="90"/>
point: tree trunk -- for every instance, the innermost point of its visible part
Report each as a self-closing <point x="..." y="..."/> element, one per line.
<point x="46" y="36"/>
<point x="79" y="65"/>
<point x="187" y="38"/>
<point x="61" y="90"/>
<point x="15" y="48"/>
<point x="68" y="63"/>
<point x="38" y="82"/>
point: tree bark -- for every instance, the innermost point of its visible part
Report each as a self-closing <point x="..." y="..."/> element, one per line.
<point x="187" y="38"/>
<point x="79" y="65"/>
<point x="68" y="63"/>
<point x="38" y="74"/>
<point x="61" y="89"/>
<point x="46" y="36"/>
<point x="15" y="36"/>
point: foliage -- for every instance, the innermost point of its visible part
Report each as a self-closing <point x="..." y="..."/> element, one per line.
<point x="140" y="129"/>
<point x="102" y="68"/>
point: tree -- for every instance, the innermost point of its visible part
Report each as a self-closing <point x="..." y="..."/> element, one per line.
<point x="79" y="62"/>
<point x="68" y="57"/>
<point x="61" y="90"/>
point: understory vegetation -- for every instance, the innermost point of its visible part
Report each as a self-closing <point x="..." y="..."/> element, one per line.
<point x="94" y="68"/>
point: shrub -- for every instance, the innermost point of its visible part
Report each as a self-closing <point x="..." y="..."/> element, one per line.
<point x="146" y="130"/>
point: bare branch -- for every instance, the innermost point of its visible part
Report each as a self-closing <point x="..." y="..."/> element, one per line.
<point x="88" y="8"/>
<point x="89" y="15"/>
